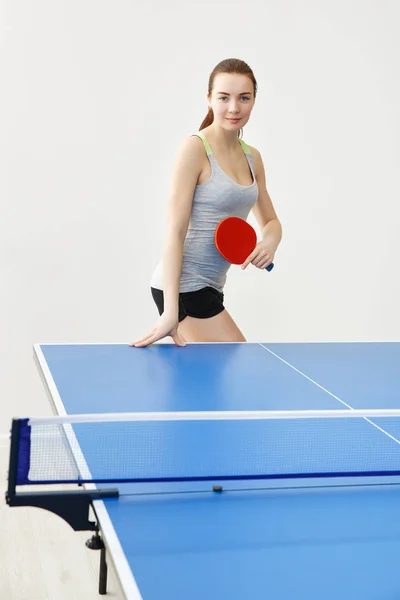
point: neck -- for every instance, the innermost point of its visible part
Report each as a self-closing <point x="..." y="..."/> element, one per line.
<point x="223" y="138"/>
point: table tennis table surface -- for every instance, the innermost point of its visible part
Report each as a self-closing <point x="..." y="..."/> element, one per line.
<point x="288" y="539"/>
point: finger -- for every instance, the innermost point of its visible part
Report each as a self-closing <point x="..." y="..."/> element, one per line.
<point x="145" y="343"/>
<point x="257" y="263"/>
<point x="264" y="260"/>
<point x="266" y="263"/>
<point x="142" y="343"/>
<point x="179" y="341"/>
<point x="148" y="340"/>
<point x="142" y="339"/>
<point x="249" y="259"/>
<point x="259" y="257"/>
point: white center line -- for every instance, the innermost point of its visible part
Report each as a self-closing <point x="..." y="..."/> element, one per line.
<point x="328" y="392"/>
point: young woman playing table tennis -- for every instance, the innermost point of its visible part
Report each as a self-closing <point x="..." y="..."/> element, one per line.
<point x="216" y="175"/>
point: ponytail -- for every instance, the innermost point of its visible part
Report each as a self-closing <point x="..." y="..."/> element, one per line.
<point x="208" y="119"/>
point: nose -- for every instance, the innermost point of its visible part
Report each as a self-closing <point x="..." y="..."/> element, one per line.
<point x="233" y="107"/>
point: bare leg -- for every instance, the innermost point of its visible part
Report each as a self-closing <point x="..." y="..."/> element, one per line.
<point x="221" y="328"/>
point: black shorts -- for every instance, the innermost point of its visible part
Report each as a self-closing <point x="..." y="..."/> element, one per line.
<point x="201" y="304"/>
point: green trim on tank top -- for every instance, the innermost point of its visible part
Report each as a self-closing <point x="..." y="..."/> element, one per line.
<point x="204" y="140"/>
<point x="245" y="147"/>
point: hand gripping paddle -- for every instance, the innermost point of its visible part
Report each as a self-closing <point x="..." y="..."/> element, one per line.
<point x="235" y="240"/>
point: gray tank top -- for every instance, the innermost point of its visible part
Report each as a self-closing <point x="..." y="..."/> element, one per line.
<point x="219" y="197"/>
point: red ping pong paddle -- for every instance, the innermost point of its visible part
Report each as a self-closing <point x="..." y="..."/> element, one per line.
<point x="235" y="240"/>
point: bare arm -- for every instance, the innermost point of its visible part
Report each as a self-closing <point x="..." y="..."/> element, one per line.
<point x="264" y="210"/>
<point x="267" y="219"/>
<point x="186" y="170"/>
<point x="185" y="174"/>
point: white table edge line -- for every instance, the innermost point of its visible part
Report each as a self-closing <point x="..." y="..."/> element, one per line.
<point x="127" y="580"/>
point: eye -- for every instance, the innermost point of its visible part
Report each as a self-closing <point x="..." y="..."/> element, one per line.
<point x="222" y="97"/>
<point x="245" y="98"/>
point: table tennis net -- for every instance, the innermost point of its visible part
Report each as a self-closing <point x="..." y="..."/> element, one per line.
<point x="168" y="447"/>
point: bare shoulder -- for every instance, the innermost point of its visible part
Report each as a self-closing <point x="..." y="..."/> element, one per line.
<point x="188" y="163"/>
<point x="189" y="160"/>
<point x="258" y="162"/>
<point x="192" y="147"/>
<point x="255" y="153"/>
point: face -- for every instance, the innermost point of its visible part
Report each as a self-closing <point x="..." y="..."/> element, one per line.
<point x="232" y="100"/>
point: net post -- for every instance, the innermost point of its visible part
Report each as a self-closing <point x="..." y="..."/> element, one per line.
<point x="13" y="460"/>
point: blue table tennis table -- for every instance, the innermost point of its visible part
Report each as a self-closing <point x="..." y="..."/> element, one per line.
<point x="329" y="537"/>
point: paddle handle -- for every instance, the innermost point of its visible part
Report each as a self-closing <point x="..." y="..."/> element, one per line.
<point x="270" y="267"/>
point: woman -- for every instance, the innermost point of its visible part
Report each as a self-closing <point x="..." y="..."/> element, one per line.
<point x="215" y="175"/>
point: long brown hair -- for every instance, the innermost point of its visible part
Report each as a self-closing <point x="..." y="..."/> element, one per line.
<point x="229" y="65"/>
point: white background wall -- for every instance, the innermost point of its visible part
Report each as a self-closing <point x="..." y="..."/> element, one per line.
<point x="95" y="97"/>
